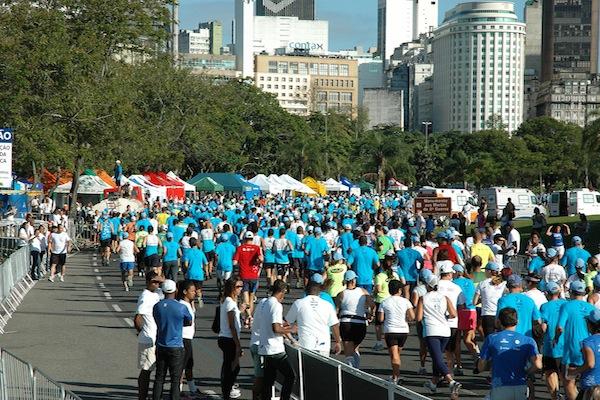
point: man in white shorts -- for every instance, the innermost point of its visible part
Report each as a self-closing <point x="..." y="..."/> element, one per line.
<point x="146" y="328"/>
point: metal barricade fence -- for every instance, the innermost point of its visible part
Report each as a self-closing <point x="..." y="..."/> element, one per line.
<point x="518" y="264"/>
<point x="319" y="377"/>
<point x="20" y="381"/>
<point x="15" y="282"/>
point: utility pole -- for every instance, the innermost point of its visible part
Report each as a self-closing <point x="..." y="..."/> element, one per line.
<point x="175" y="31"/>
<point x="427" y="125"/>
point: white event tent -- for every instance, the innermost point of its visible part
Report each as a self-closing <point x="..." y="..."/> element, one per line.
<point x="266" y="185"/>
<point x="88" y="184"/>
<point x="148" y="187"/>
<point x="297" y="185"/>
<point x="187" y="187"/>
<point x="331" y="185"/>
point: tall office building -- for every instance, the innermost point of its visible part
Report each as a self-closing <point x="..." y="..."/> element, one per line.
<point x="303" y="9"/>
<point x="478" y="56"/>
<point x="215" y="29"/>
<point x="244" y="36"/>
<point x="394" y="26"/>
<point x="287" y="34"/>
<point x="567" y="36"/>
<point x="401" y="21"/>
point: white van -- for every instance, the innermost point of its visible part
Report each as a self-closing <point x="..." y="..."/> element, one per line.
<point x="558" y="203"/>
<point x="461" y="200"/>
<point x="523" y="199"/>
<point x="584" y="201"/>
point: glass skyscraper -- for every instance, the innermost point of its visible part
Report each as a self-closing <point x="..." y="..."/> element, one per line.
<point x="303" y="9"/>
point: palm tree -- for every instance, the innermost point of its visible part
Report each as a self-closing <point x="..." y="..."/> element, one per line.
<point x="378" y="148"/>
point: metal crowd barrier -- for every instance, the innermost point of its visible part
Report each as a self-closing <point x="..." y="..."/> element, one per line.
<point x="83" y="234"/>
<point x="20" y="381"/>
<point x="15" y="282"/>
<point x="518" y="264"/>
<point x="319" y="377"/>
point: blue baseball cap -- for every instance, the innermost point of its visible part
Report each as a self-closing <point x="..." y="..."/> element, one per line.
<point x="492" y="266"/>
<point x="224" y="236"/>
<point x="594" y="316"/>
<point x="551" y="252"/>
<point x="458" y="268"/>
<point x="442" y="235"/>
<point x="349" y="276"/>
<point x="317" y="278"/>
<point x="514" y="281"/>
<point x="318" y="231"/>
<point x="552" y="287"/>
<point x="576" y="240"/>
<point x="310" y="228"/>
<point x="578" y="287"/>
<point x="337" y="256"/>
<point x="169" y="235"/>
<point x="580" y="263"/>
<point x="425" y="273"/>
<point x="596" y="281"/>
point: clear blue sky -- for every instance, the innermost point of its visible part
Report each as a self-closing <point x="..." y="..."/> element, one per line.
<point x="351" y="22"/>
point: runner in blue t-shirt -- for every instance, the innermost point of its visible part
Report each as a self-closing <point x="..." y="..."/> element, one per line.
<point x="552" y="351"/>
<point x="512" y="356"/>
<point x="364" y="262"/>
<point x="316" y="250"/>
<point x="224" y="260"/>
<point x="572" y="324"/>
<point x="105" y="228"/>
<point x="171" y="255"/>
<point x="525" y="306"/>
<point x="196" y="263"/>
<point x="590" y="370"/>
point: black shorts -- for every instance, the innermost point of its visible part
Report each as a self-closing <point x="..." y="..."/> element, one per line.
<point x="298" y="263"/>
<point x="188" y="357"/>
<point x="395" y="339"/>
<point x="58" y="259"/>
<point x="153" y="261"/>
<point x="488" y="324"/>
<point x="210" y="255"/>
<point x="104" y="243"/>
<point x="453" y="340"/>
<point x="269" y="265"/>
<point x="551" y="364"/>
<point x="282" y="269"/>
<point x="113" y="238"/>
<point x="353" y="332"/>
<point x="377" y="306"/>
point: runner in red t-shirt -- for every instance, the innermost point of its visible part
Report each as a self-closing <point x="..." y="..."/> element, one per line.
<point x="248" y="257"/>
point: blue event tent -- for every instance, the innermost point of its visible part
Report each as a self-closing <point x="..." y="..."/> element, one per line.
<point x="230" y="182"/>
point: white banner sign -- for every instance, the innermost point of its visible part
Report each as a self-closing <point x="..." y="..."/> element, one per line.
<point x="6" y="143"/>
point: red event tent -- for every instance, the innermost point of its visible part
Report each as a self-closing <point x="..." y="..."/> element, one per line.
<point x="175" y="189"/>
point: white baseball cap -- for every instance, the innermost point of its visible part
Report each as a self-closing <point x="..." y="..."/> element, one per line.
<point x="169" y="286"/>
<point x="445" y="266"/>
<point x="248" y="235"/>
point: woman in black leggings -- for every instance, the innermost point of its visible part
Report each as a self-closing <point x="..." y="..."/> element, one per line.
<point x="229" y="338"/>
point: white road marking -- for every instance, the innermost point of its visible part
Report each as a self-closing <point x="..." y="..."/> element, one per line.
<point x="129" y="321"/>
<point x="107" y="295"/>
<point x="117" y="308"/>
<point x="96" y="270"/>
<point x="101" y="285"/>
<point x="99" y="278"/>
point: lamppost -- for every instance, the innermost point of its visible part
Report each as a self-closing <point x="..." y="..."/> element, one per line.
<point x="427" y="125"/>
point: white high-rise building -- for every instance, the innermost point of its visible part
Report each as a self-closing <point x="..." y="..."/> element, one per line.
<point x="244" y="36"/>
<point x="194" y="42"/>
<point x="394" y="26"/>
<point x="401" y="21"/>
<point x="425" y="17"/>
<point x="478" y="56"/>
<point x="286" y="34"/>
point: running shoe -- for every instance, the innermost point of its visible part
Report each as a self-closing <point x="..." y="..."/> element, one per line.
<point x="432" y="387"/>
<point x="378" y="346"/>
<point x="61" y="277"/>
<point x="200" y="303"/>
<point x="455" y="387"/>
<point x="298" y="285"/>
<point x="458" y="371"/>
<point x="51" y="279"/>
<point x="423" y="371"/>
<point x="235" y="394"/>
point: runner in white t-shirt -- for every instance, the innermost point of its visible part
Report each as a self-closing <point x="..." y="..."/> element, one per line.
<point x="314" y="318"/>
<point x="271" y="348"/>
<point x="489" y="292"/>
<point x="454" y="292"/>
<point x="229" y="337"/>
<point x="395" y="312"/>
<point x="59" y="246"/>
<point x="146" y="327"/>
<point x="127" y="251"/>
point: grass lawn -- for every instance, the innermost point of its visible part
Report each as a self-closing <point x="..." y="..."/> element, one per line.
<point x="591" y="242"/>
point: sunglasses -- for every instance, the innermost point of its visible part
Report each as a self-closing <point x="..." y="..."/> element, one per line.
<point x="155" y="282"/>
<point x="239" y="286"/>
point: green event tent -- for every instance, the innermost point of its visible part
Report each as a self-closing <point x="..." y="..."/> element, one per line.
<point x="365" y="186"/>
<point x="207" y="184"/>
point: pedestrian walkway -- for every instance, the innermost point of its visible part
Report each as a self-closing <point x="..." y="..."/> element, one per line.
<point x="80" y="332"/>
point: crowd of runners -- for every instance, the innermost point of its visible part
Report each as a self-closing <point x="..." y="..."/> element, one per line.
<point x="361" y="261"/>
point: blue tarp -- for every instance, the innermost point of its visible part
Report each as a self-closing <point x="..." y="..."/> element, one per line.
<point x="230" y="182"/>
<point x="19" y="201"/>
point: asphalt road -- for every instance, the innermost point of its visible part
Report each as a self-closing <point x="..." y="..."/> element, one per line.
<point x="80" y="332"/>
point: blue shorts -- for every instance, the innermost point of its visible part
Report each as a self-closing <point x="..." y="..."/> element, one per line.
<point x="368" y="288"/>
<point x="250" y="285"/>
<point x="127" y="266"/>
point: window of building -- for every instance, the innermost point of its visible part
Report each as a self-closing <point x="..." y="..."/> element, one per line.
<point x="314" y="69"/>
<point x="346" y="97"/>
<point x="344" y="70"/>
<point x="282" y="67"/>
<point x="268" y="86"/>
<point x="262" y="78"/>
<point x="321" y="96"/>
<point x="273" y="67"/>
<point x="294" y="68"/>
<point x="276" y="79"/>
<point x="334" y="70"/>
<point x="333" y="96"/>
<point x="268" y="79"/>
<point x="323" y="69"/>
<point x="302" y="68"/>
